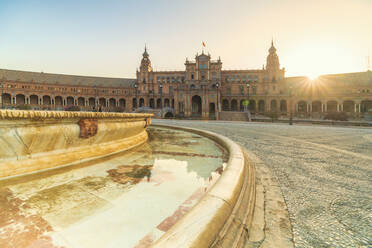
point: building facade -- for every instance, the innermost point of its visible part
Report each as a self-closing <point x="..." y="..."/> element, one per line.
<point x="202" y="90"/>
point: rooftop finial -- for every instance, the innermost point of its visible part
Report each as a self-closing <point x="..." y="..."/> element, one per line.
<point x="145" y="54"/>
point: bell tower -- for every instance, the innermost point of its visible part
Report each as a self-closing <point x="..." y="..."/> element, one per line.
<point x="143" y="75"/>
<point x="273" y="71"/>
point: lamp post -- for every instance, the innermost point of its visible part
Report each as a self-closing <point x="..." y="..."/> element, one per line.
<point x="135" y="89"/>
<point x="161" y="95"/>
<point x="95" y="99"/>
<point x="218" y="102"/>
<point x="248" y="86"/>
<point x="290" y="106"/>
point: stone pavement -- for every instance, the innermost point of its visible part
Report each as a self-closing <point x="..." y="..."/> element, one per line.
<point x="325" y="175"/>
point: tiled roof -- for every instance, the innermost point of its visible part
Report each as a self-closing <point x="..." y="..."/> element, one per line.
<point x="355" y="77"/>
<point x="63" y="79"/>
<point x="359" y="78"/>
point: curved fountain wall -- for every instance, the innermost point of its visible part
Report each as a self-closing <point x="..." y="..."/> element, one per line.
<point x="38" y="140"/>
<point x="224" y="214"/>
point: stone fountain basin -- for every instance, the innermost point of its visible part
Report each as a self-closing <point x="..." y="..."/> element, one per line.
<point x="179" y="189"/>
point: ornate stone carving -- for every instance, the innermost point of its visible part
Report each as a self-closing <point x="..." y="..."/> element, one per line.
<point x="38" y="115"/>
<point x="88" y="127"/>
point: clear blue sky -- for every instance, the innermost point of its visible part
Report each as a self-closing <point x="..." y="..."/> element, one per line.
<point x="106" y="38"/>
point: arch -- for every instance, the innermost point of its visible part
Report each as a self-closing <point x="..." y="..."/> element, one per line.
<point x="196" y="105"/>
<point x="7" y="98"/>
<point x="166" y="102"/>
<point x="168" y="115"/>
<point x="122" y="102"/>
<point x="366" y="106"/>
<point x="141" y="102"/>
<point x="234" y="105"/>
<point x="134" y="102"/>
<point x="70" y="100"/>
<point x="261" y="106"/>
<point x="331" y="106"/>
<point x="158" y="103"/>
<point x="273" y="106"/>
<point x="316" y="106"/>
<point x="81" y="101"/>
<point x="92" y="101"/>
<point x="152" y="103"/>
<point x="102" y="102"/>
<point x="252" y="105"/>
<point x="58" y="101"/>
<point x="212" y="108"/>
<point x="283" y="106"/>
<point x="225" y="105"/>
<point x="348" y="106"/>
<point x="20" y="99"/>
<point x="112" y="102"/>
<point x="34" y="99"/>
<point x="301" y="107"/>
<point x="46" y="100"/>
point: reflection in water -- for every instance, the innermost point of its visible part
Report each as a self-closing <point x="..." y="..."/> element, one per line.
<point x="132" y="174"/>
<point x="129" y="199"/>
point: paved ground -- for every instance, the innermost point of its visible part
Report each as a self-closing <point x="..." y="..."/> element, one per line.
<point x="325" y="175"/>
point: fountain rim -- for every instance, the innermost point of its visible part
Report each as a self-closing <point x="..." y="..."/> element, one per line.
<point x="201" y="226"/>
<point x="44" y="114"/>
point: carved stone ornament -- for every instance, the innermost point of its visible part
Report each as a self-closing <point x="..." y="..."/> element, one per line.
<point x="88" y="127"/>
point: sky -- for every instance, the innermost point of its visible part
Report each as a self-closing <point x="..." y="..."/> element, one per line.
<point x="107" y="38"/>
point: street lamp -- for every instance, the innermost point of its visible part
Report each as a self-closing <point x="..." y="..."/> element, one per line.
<point x="290" y="106"/>
<point x="248" y="86"/>
<point x="218" y="102"/>
<point x="135" y="88"/>
<point x="161" y="95"/>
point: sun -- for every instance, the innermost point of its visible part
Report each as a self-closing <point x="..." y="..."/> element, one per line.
<point x="313" y="76"/>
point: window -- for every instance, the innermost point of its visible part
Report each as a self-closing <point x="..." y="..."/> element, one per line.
<point x="202" y="76"/>
<point x="214" y="76"/>
<point x="254" y="90"/>
<point x="228" y="90"/>
<point x="192" y="76"/>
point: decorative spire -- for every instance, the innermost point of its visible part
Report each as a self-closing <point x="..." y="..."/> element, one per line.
<point x="272" y="48"/>
<point x="145" y="54"/>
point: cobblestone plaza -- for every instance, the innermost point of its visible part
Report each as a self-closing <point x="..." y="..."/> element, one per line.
<point x="324" y="175"/>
